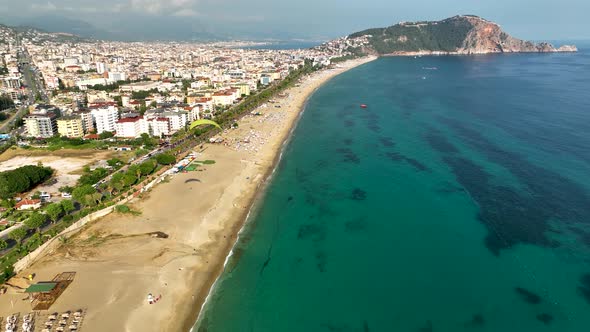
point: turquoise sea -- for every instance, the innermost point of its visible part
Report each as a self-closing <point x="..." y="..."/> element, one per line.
<point x="459" y="200"/>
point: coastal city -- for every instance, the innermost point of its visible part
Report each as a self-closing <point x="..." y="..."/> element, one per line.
<point x="89" y="127"/>
<point x="85" y="89"/>
<point x="216" y="166"/>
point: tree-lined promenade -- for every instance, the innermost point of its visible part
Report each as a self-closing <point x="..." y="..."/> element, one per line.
<point x="88" y="197"/>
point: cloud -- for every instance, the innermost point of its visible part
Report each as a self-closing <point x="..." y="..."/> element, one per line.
<point x="48" y="6"/>
<point x="186" y="12"/>
<point x="173" y="7"/>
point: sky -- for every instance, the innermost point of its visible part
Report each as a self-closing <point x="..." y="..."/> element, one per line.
<point x="305" y="19"/>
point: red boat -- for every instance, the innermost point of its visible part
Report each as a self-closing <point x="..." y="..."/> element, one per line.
<point x="363" y="106"/>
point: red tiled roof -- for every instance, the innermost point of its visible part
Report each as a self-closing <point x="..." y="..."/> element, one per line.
<point x="27" y="202"/>
<point x="135" y="119"/>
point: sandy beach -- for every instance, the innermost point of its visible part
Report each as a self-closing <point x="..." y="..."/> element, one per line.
<point x="117" y="262"/>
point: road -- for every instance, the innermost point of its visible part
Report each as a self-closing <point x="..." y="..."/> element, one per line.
<point x="7" y="126"/>
<point x="31" y="76"/>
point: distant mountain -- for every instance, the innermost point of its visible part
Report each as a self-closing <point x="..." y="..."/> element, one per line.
<point x="60" y="24"/>
<point x="465" y="34"/>
<point x="127" y="29"/>
<point x="38" y="35"/>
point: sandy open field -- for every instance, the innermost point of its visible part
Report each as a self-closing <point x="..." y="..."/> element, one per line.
<point x="118" y="263"/>
<point x="67" y="164"/>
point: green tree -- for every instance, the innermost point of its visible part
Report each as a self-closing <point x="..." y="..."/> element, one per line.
<point x="18" y="234"/>
<point x="119" y="100"/>
<point x="67" y="205"/>
<point x="165" y="159"/>
<point x="66" y="189"/>
<point x="106" y="134"/>
<point x="117" y="181"/>
<point x="147" y="141"/>
<point x="22" y="179"/>
<point x="83" y="194"/>
<point x="147" y="167"/>
<point x="114" y="162"/>
<point x="54" y="211"/>
<point x="35" y="221"/>
<point x="5" y="102"/>
<point x="3" y="244"/>
<point x="134" y="169"/>
<point x="94" y="176"/>
<point x="129" y="179"/>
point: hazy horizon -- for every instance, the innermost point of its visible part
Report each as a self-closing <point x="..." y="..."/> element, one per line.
<point x="306" y="19"/>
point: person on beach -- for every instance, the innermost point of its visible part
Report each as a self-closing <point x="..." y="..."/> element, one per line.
<point x="150" y="298"/>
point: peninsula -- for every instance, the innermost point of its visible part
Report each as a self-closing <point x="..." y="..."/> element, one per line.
<point x="463" y="34"/>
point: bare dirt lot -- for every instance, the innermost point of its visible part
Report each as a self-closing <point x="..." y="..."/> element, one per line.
<point x="67" y="164"/>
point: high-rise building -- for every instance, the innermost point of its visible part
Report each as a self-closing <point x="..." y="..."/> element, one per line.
<point x="87" y="120"/>
<point x="105" y="118"/>
<point x="101" y="67"/>
<point x="41" y="125"/>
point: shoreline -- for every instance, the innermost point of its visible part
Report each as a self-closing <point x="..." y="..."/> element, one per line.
<point x="257" y="199"/>
<point x="454" y="53"/>
<point x="201" y="301"/>
<point x="117" y="262"/>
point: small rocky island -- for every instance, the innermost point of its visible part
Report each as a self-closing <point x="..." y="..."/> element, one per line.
<point x="465" y="34"/>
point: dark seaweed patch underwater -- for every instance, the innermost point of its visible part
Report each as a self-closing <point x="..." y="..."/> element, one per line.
<point x="459" y="202"/>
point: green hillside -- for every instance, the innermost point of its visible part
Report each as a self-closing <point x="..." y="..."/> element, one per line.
<point x="447" y="35"/>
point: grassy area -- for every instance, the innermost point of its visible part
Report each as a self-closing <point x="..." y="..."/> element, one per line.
<point x="206" y="162"/>
<point x="124" y="209"/>
<point x="32" y="152"/>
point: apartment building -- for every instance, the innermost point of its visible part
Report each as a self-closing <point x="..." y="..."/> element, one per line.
<point x="87" y="120"/>
<point x="105" y="118"/>
<point x="131" y="127"/>
<point x="70" y="126"/>
<point x="40" y="125"/>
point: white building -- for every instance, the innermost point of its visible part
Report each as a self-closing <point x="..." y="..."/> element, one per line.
<point x="51" y="82"/>
<point x="87" y="120"/>
<point x="159" y="127"/>
<point x="70" y="62"/>
<point x="225" y="97"/>
<point x="101" y="67"/>
<point x="40" y="125"/>
<point x="114" y="76"/>
<point x="139" y="86"/>
<point x="105" y="118"/>
<point x="131" y="127"/>
<point x="84" y="84"/>
<point x="176" y="119"/>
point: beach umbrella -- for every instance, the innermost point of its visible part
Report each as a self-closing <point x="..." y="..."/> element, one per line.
<point x="202" y="123"/>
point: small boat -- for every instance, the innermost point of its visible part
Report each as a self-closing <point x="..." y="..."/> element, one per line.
<point x="363" y="106"/>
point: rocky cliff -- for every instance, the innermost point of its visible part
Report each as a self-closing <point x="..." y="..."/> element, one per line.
<point x="456" y="35"/>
